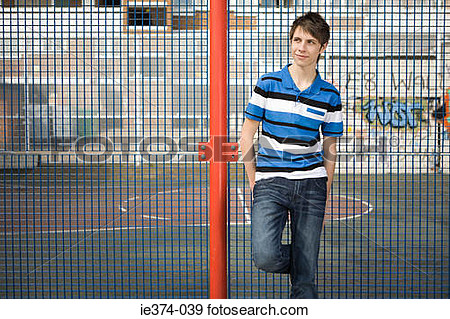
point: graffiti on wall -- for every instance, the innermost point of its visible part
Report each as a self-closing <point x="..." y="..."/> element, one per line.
<point x="395" y="113"/>
<point x="409" y="81"/>
<point x="390" y="126"/>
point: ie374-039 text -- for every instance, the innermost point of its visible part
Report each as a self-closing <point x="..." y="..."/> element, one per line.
<point x="200" y="310"/>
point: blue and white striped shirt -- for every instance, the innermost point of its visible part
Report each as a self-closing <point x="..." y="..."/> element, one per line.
<point x="289" y="144"/>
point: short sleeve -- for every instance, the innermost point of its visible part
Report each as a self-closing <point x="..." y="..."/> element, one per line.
<point x="257" y="104"/>
<point x="333" y="123"/>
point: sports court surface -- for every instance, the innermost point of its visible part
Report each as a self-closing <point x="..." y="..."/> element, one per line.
<point x="129" y="232"/>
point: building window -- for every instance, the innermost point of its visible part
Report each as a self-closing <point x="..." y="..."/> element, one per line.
<point x="404" y="45"/>
<point x="40" y="115"/>
<point x="12" y="121"/>
<point x="107" y="3"/>
<point x="404" y="3"/>
<point x="147" y="16"/>
<point x="42" y="3"/>
<point x="153" y="67"/>
<point x="33" y="3"/>
<point x="68" y="3"/>
<point x="39" y="94"/>
<point x="275" y="3"/>
<point x="183" y="6"/>
<point x="7" y="3"/>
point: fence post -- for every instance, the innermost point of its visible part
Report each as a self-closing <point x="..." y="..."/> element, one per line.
<point x="218" y="170"/>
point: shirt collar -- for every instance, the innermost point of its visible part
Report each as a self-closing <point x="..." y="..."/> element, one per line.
<point x="288" y="82"/>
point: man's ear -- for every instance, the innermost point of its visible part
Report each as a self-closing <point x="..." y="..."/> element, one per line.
<point x="323" y="48"/>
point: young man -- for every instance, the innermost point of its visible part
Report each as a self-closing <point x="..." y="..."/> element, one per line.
<point x="292" y="173"/>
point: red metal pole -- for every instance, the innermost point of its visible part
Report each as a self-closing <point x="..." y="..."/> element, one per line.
<point x="218" y="169"/>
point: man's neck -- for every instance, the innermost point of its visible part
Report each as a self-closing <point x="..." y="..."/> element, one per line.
<point x="303" y="78"/>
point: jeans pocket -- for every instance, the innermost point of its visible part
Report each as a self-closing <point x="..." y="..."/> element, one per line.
<point x="264" y="184"/>
<point x="316" y="196"/>
<point x="318" y="186"/>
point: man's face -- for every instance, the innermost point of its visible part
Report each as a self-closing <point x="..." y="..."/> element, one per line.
<point x="305" y="49"/>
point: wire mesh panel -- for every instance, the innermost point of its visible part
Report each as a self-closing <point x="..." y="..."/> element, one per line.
<point x="386" y="229"/>
<point x="102" y="104"/>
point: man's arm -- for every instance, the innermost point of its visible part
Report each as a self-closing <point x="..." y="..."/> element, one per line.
<point x="249" y="129"/>
<point x="330" y="155"/>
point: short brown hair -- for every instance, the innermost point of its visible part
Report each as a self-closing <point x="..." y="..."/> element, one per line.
<point x="314" y="24"/>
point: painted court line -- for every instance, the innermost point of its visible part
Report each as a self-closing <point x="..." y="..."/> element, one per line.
<point x="247" y="214"/>
<point x="155" y="217"/>
<point x="348" y="200"/>
<point x="80" y="230"/>
<point x="369" y="210"/>
<point x="132" y="198"/>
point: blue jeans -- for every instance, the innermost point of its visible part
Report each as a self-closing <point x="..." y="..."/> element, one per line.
<point x="305" y="201"/>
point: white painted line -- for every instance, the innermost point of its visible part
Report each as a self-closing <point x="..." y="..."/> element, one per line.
<point x="149" y="197"/>
<point x="155" y="217"/>
<point x="354" y="199"/>
<point x="247" y="215"/>
<point x="132" y="198"/>
<point x="106" y="229"/>
<point x="70" y="231"/>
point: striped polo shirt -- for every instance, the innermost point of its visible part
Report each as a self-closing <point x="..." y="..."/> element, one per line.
<point x="289" y="143"/>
